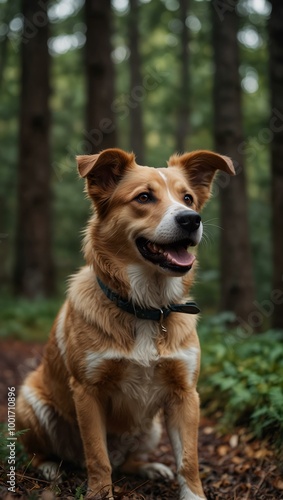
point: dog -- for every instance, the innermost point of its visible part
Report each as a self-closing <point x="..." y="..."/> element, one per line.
<point x="124" y="349"/>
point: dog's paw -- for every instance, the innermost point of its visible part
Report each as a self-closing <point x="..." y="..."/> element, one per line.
<point x="187" y="494"/>
<point x="154" y="470"/>
<point x="50" y="471"/>
<point x="191" y="496"/>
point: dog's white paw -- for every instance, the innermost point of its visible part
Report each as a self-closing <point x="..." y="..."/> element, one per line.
<point x="50" y="471"/>
<point x="154" y="470"/>
<point x="187" y="494"/>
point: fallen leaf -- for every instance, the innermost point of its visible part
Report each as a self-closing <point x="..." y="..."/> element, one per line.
<point x="237" y="460"/>
<point x="208" y="430"/>
<point x="262" y="453"/>
<point x="223" y="450"/>
<point x="243" y="467"/>
<point x="234" y="440"/>
<point x="278" y="483"/>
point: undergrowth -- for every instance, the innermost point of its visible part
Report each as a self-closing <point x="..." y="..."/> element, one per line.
<point x="20" y="453"/>
<point x="27" y="320"/>
<point x="242" y="378"/>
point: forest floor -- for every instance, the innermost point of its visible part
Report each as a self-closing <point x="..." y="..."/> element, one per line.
<point x="232" y="466"/>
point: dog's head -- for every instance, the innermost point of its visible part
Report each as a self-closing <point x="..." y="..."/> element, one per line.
<point x="150" y="215"/>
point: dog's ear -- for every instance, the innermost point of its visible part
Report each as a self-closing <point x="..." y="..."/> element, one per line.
<point x="86" y="164"/>
<point x="104" y="169"/>
<point x="200" y="168"/>
<point x="103" y="172"/>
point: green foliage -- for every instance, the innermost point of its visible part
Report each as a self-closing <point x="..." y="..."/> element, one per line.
<point x="27" y="320"/>
<point x="21" y="456"/>
<point x="80" y="492"/>
<point x="241" y="377"/>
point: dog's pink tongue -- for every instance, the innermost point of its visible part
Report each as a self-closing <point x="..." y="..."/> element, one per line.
<point x="180" y="256"/>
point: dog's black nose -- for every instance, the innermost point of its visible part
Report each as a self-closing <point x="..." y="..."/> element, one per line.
<point x="188" y="220"/>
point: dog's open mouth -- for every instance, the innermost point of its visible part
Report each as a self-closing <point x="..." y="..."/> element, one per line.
<point x="173" y="256"/>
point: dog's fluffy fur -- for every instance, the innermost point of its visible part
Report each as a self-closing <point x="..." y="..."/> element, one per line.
<point x="106" y="376"/>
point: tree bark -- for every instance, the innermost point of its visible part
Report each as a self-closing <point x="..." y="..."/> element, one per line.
<point x="34" y="272"/>
<point x="184" y="108"/>
<point x="275" y="28"/>
<point x="237" y="285"/>
<point x="100" y="119"/>
<point x="136" y="117"/>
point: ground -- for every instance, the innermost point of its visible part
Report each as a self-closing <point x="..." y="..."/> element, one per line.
<point x="232" y="466"/>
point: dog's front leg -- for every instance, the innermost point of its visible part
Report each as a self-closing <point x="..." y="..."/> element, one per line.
<point x="91" y="422"/>
<point x="182" y="420"/>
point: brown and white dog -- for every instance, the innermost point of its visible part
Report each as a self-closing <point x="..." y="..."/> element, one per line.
<point x="116" y="358"/>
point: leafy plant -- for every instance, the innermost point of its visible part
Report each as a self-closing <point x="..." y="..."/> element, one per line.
<point x="21" y="456"/>
<point x="242" y="378"/>
<point x="27" y="320"/>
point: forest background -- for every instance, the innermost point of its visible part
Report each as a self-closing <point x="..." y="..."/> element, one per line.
<point x="166" y="76"/>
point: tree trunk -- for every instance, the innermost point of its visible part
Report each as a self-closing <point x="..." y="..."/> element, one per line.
<point x="34" y="274"/>
<point x="136" y="119"/>
<point x="237" y="285"/>
<point x="100" y="120"/>
<point x="184" y="109"/>
<point x="275" y="27"/>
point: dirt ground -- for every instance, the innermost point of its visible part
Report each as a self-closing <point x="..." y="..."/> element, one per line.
<point x="232" y="466"/>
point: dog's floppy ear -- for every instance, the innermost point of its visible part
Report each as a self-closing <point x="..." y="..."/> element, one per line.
<point x="103" y="172"/>
<point x="106" y="168"/>
<point x="86" y="163"/>
<point x="200" y="168"/>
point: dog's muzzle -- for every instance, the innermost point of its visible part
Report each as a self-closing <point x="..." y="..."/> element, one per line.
<point x="173" y="255"/>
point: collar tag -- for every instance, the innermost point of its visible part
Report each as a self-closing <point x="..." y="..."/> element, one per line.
<point x="163" y="328"/>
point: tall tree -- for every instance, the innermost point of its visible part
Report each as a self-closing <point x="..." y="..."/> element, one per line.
<point x="237" y="285"/>
<point x="275" y="28"/>
<point x="100" y="118"/>
<point x="136" y="117"/>
<point x="34" y="274"/>
<point x="183" y="108"/>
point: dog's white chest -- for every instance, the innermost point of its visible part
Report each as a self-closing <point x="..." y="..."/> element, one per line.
<point x="145" y="351"/>
<point x="139" y="382"/>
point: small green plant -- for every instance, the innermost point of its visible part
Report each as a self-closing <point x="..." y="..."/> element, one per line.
<point x="21" y="456"/>
<point x="242" y="378"/>
<point x="80" y="492"/>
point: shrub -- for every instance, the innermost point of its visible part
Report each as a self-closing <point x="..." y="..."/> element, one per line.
<point x="27" y="320"/>
<point x="243" y="379"/>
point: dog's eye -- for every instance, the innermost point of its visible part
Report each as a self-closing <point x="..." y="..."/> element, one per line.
<point x="188" y="199"/>
<point x="143" y="198"/>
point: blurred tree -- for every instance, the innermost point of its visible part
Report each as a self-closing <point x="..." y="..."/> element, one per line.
<point x="237" y="286"/>
<point x="33" y="273"/>
<point x="100" y="119"/>
<point x="183" y="107"/>
<point x="159" y="41"/>
<point x="136" y="86"/>
<point x="275" y="27"/>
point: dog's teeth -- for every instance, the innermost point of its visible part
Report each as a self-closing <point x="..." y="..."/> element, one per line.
<point x="168" y="257"/>
<point x="154" y="248"/>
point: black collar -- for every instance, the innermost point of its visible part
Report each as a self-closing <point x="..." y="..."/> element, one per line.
<point x="153" y="314"/>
